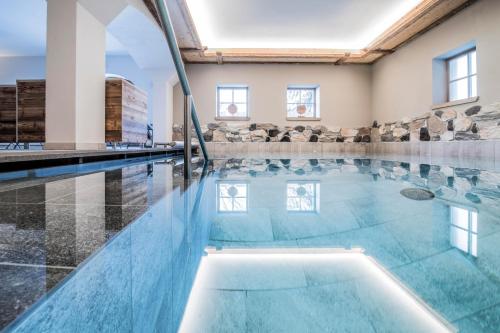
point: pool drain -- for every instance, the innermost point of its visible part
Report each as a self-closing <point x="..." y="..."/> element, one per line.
<point x="417" y="194"/>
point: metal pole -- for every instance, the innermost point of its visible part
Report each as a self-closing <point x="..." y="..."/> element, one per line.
<point x="187" y="137"/>
<point x="179" y="66"/>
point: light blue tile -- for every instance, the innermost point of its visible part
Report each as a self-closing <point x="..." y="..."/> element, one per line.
<point x="216" y="311"/>
<point x="484" y="321"/>
<point x="377" y="241"/>
<point x="451" y="284"/>
<point x="334" y="308"/>
<point x="252" y="273"/>
<point x="252" y="226"/>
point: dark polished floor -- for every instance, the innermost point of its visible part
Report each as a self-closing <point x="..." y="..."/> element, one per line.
<point x="50" y="225"/>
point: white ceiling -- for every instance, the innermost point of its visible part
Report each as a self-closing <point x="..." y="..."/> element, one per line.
<point x="333" y="24"/>
<point x="23" y="29"/>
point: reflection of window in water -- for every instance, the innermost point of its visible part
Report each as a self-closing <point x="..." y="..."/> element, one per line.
<point x="463" y="230"/>
<point x="232" y="197"/>
<point x="302" y="197"/>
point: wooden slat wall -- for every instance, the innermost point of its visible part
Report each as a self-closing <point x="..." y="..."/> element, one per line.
<point x="31" y="110"/>
<point x="8" y="114"/>
<point x="126" y="112"/>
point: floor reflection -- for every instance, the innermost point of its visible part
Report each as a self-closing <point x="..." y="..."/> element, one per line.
<point x="463" y="230"/>
<point x="232" y="197"/>
<point x="303" y="196"/>
<point x="47" y="230"/>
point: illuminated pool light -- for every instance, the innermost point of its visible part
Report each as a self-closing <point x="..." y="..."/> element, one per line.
<point x="228" y="281"/>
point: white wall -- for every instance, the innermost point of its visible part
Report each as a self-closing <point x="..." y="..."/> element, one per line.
<point x="345" y="91"/>
<point x="402" y="81"/>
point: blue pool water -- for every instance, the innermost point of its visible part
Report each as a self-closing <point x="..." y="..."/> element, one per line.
<point x="282" y="245"/>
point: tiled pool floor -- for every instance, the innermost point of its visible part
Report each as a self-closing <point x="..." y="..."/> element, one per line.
<point x="445" y="250"/>
<point x="302" y="292"/>
<point x="72" y="260"/>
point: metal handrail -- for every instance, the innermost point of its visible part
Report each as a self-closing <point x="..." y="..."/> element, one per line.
<point x="181" y="72"/>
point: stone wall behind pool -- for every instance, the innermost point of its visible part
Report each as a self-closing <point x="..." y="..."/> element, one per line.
<point x="475" y="123"/>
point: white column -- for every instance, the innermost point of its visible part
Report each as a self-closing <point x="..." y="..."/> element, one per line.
<point x="76" y="49"/>
<point x="163" y="105"/>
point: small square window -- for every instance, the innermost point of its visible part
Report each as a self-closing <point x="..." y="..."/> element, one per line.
<point x="462" y="76"/>
<point x="232" y="197"/>
<point x="232" y="102"/>
<point x="302" y="102"/>
<point x="302" y="197"/>
<point x="463" y="230"/>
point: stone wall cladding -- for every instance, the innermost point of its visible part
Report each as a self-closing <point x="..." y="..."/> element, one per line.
<point x="266" y="132"/>
<point x="475" y="123"/>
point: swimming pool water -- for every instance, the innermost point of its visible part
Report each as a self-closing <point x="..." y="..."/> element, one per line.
<point x="277" y="245"/>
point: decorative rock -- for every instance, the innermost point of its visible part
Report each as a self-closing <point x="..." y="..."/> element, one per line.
<point x="448" y="115"/>
<point x="405" y="138"/>
<point x="253" y="127"/>
<point x="375" y="135"/>
<point x="387" y="137"/>
<point x="473" y="110"/>
<point x="375" y="124"/>
<point x="273" y="132"/>
<point x="339" y="139"/>
<point x="296" y="136"/>
<point x="447" y="136"/>
<point x="466" y="136"/>
<point x="474" y="128"/>
<point x="424" y="134"/>
<point x="417" y="125"/>
<point x="208" y="136"/>
<point x="285" y="138"/>
<point x="366" y="138"/>
<point x="463" y="124"/>
<point x="313" y="138"/>
<point x="490" y="133"/>
<point x="219" y="136"/>
<point x="399" y="132"/>
<point x="258" y="135"/>
<point x="300" y="128"/>
<point x="364" y="131"/>
<point x="405" y="120"/>
<point x="436" y="126"/>
<point x="266" y="126"/>
<point x="348" y="132"/>
<point x="450" y="126"/>
<point x="212" y="126"/>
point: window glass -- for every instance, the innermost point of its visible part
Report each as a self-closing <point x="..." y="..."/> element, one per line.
<point x="232" y="102"/>
<point x="302" y="197"/>
<point x="462" y="82"/>
<point x="463" y="230"/>
<point x="301" y="102"/>
<point x="232" y="197"/>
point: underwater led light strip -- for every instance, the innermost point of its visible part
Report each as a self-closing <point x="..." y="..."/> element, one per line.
<point x="312" y="255"/>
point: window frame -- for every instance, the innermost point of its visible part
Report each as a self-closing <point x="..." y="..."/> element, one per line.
<point x="219" y="197"/>
<point x="233" y="87"/>
<point x="316" y="196"/>
<point x="316" y="104"/>
<point x="469" y="75"/>
<point x="470" y="230"/>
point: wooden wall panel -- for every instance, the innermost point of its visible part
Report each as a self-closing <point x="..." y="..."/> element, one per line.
<point x="31" y="110"/>
<point x="8" y="114"/>
<point x="126" y="112"/>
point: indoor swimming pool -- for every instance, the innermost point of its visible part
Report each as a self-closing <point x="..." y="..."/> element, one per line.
<point x="251" y="245"/>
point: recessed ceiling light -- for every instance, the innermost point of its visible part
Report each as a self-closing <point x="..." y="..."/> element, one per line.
<point x="212" y="24"/>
